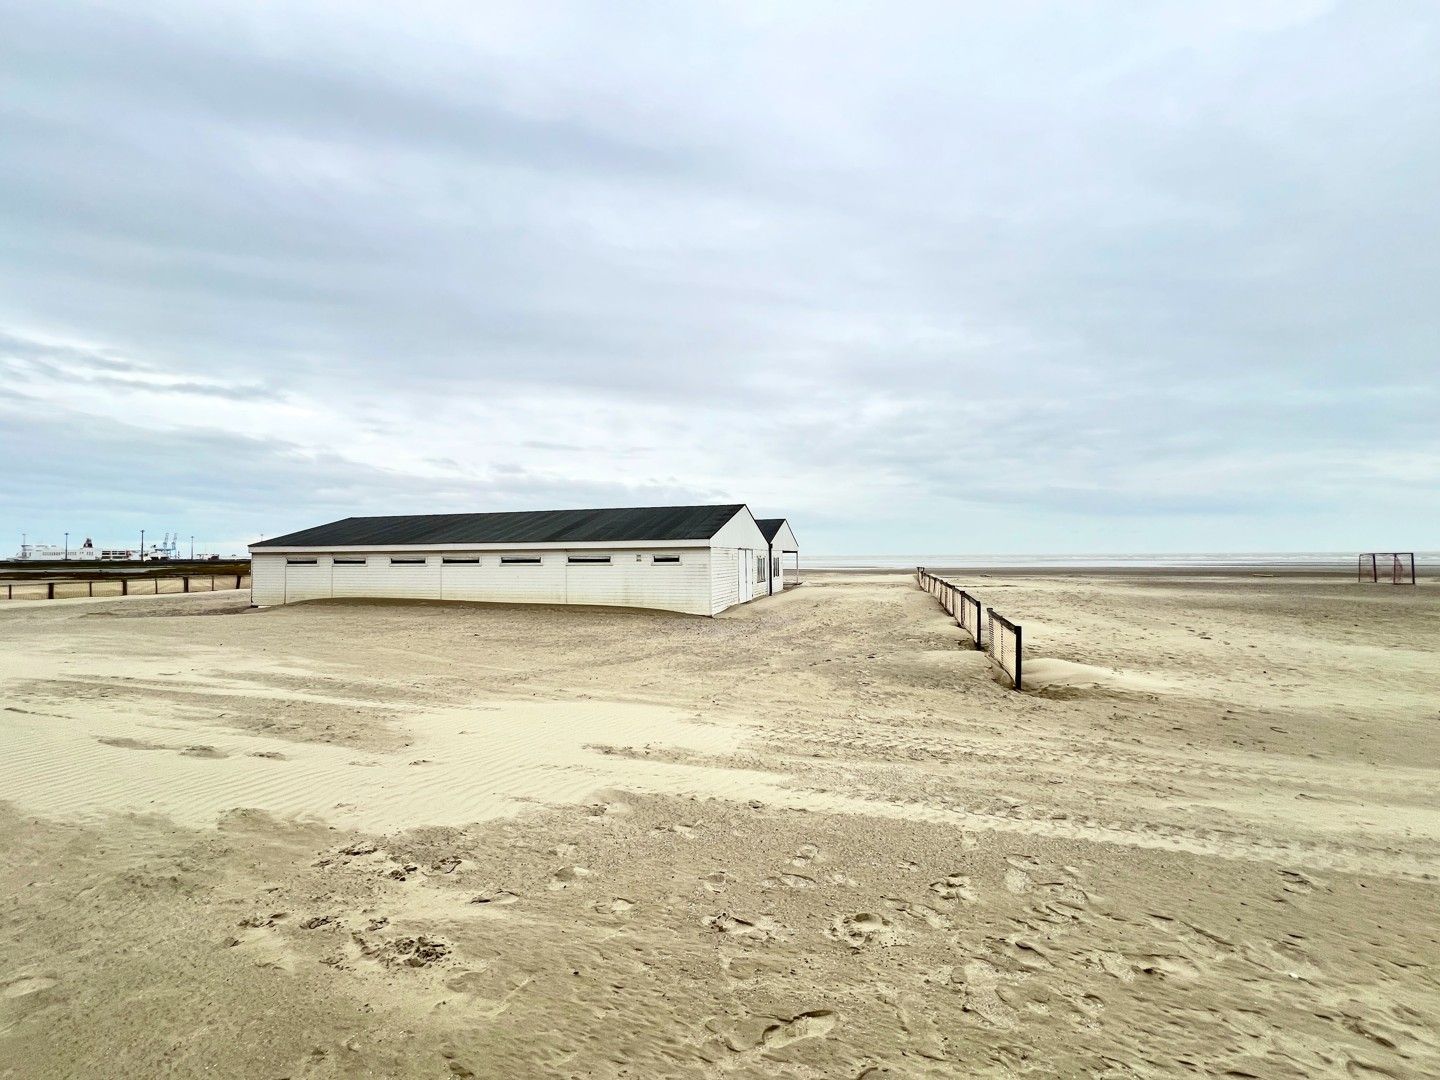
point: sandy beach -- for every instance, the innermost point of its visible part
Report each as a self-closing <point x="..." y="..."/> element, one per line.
<point x="812" y="837"/>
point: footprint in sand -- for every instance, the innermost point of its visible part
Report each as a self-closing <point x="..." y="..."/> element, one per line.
<point x="1298" y="883"/>
<point x="955" y="887"/>
<point x="757" y="1034"/>
<point x="678" y="829"/>
<point x="567" y="876"/>
<point x="761" y="928"/>
<point x="1113" y="964"/>
<point x="807" y="854"/>
<point x="806" y="1025"/>
<point x="1018" y="881"/>
<point x="1168" y="966"/>
<point x="125" y="743"/>
<point x="788" y="881"/>
<point x="618" y="906"/>
<point x="25" y="986"/>
<point x="203" y="752"/>
<point x="979" y="980"/>
<point x="716" y="881"/>
<point x="933" y="919"/>
<point x="1023" y="952"/>
<point x="497" y="898"/>
<point x="862" y="929"/>
<point x="605" y="813"/>
<point x="265" y="951"/>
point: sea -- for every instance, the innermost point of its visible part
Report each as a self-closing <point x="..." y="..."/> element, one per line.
<point x="1212" y="560"/>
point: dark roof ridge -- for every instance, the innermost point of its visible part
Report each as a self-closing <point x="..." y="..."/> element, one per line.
<point x="597" y="525"/>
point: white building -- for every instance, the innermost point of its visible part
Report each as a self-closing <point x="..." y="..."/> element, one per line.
<point x="781" y="540"/>
<point x="696" y="559"/>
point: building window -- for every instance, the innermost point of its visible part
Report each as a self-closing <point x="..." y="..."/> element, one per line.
<point x="349" y="562"/>
<point x="598" y="560"/>
<point x="775" y="566"/>
<point x="759" y="568"/>
<point x="302" y="562"/>
<point x="458" y="561"/>
<point x="665" y="558"/>
<point x="519" y="560"/>
<point x="406" y="562"/>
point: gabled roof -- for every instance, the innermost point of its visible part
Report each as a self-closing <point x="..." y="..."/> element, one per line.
<point x="519" y="527"/>
<point x="770" y="526"/>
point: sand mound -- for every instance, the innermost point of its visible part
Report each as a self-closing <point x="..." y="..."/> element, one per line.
<point x="1050" y="677"/>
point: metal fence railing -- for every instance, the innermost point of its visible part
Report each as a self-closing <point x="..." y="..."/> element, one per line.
<point x="1001" y="639"/>
<point x="114" y="585"/>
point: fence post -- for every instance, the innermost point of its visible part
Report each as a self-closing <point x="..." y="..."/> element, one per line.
<point x="90" y="587"/>
<point x="1019" y="654"/>
<point x="237" y="581"/>
<point x="50" y="590"/>
<point x="124" y="586"/>
<point x="157" y="585"/>
<point x="186" y="579"/>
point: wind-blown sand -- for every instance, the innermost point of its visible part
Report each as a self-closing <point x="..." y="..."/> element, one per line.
<point x="811" y="838"/>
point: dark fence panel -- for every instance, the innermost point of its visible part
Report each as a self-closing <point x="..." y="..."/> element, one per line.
<point x="112" y="585"/>
<point x="1006" y="646"/>
<point x="997" y="635"/>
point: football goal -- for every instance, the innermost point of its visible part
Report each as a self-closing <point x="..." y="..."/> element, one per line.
<point x="1393" y="567"/>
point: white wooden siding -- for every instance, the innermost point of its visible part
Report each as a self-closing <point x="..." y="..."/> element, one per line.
<point x="307" y="581"/>
<point x="739" y="532"/>
<point x="724" y="579"/>
<point x="507" y="583"/>
<point x="267" y="580"/>
<point x="784" y="542"/>
<point x="631" y="579"/>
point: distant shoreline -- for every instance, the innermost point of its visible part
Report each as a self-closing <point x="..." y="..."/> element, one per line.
<point x="1208" y="563"/>
<point x="979" y="572"/>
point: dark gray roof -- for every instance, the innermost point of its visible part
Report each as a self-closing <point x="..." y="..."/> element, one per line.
<point x="519" y="527"/>
<point x="769" y="526"/>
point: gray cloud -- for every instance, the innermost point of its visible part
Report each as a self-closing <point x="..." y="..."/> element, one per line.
<point x="1093" y="277"/>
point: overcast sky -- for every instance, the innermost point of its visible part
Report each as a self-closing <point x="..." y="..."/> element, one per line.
<point x="924" y="278"/>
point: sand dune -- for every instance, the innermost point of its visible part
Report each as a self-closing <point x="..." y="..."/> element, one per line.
<point x="811" y="838"/>
<point x="461" y="765"/>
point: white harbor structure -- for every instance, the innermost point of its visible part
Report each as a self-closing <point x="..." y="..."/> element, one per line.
<point x="695" y="559"/>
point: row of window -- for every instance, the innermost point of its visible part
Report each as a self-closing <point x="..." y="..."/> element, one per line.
<point x="474" y="560"/>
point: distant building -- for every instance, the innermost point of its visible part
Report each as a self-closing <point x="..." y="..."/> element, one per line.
<point x="696" y="559"/>
<point x="781" y="541"/>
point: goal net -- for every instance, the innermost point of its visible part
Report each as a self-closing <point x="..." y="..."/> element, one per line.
<point x="1392" y="567"/>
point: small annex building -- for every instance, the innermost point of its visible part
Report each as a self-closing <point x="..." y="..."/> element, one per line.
<point x="695" y="559"/>
<point x="781" y="541"/>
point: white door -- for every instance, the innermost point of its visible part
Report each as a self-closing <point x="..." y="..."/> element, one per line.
<point x="307" y="579"/>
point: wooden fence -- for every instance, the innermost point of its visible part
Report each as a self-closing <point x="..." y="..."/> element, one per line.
<point x="115" y="585"/>
<point x="1001" y="639"/>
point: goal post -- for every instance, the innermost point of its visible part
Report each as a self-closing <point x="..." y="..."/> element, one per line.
<point x="1392" y="567"/>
